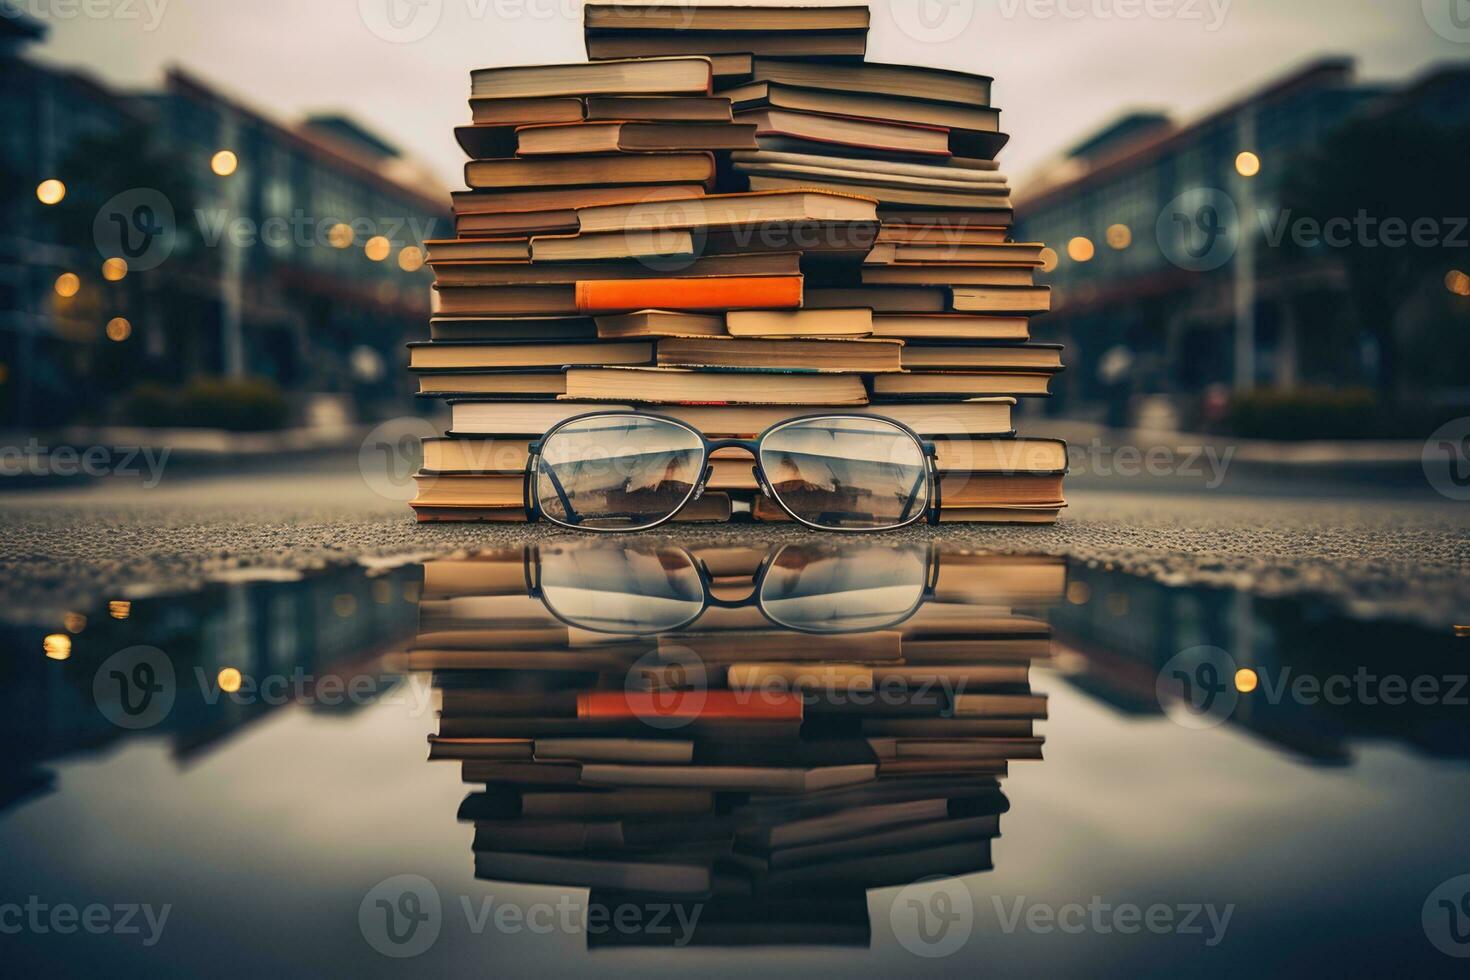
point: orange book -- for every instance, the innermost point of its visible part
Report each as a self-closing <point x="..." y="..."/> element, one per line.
<point x="693" y="705"/>
<point x="715" y="295"/>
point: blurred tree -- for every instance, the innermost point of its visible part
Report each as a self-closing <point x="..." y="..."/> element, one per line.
<point x="1377" y="169"/>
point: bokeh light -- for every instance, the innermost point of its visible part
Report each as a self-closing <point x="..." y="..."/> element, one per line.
<point x="115" y="270"/>
<point x="377" y="248"/>
<point x="411" y="258"/>
<point x="68" y="284"/>
<point x="50" y="192"/>
<point x="1119" y="236"/>
<point x="1081" y="249"/>
<point x="229" y="680"/>
<point x="119" y="329"/>
<point x="1247" y="164"/>
<point x="224" y="163"/>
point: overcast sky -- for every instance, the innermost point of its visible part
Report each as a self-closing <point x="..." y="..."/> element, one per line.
<point x="1062" y="67"/>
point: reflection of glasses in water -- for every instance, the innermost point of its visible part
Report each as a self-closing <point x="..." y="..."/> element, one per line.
<point x="624" y="471"/>
<point x="642" y="588"/>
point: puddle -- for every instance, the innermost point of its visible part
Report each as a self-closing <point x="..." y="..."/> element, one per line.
<point x="624" y="754"/>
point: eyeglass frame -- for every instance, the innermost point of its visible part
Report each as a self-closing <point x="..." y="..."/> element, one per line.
<point x="531" y="498"/>
<point x="531" y="559"/>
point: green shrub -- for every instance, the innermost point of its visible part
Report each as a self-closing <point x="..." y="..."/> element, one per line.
<point x="243" y="405"/>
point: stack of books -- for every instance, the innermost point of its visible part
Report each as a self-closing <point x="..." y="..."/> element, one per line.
<point x="734" y="762"/>
<point x="730" y="218"/>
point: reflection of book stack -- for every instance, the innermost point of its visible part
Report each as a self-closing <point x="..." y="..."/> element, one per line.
<point x="773" y="774"/>
<point x="635" y="237"/>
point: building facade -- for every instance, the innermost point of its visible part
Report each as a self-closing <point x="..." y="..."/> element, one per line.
<point x="248" y="248"/>
<point x="1169" y="284"/>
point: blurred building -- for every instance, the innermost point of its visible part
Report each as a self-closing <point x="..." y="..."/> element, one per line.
<point x="1139" y="316"/>
<point x="293" y="252"/>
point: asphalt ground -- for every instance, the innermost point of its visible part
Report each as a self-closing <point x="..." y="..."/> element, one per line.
<point x="1393" y="553"/>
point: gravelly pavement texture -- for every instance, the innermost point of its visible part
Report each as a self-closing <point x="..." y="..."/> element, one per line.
<point x="72" y="548"/>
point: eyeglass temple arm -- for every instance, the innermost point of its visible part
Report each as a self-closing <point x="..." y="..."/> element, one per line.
<point x="533" y="466"/>
<point x="930" y="472"/>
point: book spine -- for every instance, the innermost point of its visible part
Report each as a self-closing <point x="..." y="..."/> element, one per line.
<point x="692" y="295"/>
<point x="690" y="705"/>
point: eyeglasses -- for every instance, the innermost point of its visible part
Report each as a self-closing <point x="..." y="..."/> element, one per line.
<point x="643" y="588"/>
<point x="627" y="471"/>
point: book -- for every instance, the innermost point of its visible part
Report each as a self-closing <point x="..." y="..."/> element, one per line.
<point x="972" y="417"/>
<point x="494" y="383"/>
<point x="855" y="322"/>
<point x="960" y="384"/>
<point x="660" y="323"/>
<point x="863" y="105"/>
<point x="546" y="328"/>
<point x="695" y="295"/>
<point x="609" y="108"/>
<point x="713" y="210"/>
<point x="981" y="173"/>
<point x="641" y="385"/>
<point x="901" y="81"/>
<point x="518" y="418"/>
<point x="666" y="17"/>
<point x="632" y="137"/>
<point x="660" y="243"/>
<point x="633" y="76"/>
<point x="982" y="357"/>
<point x="821" y="355"/>
<point x="462" y="274"/>
<point x="449" y="355"/>
<point x="484" y="203"/>
<point x="996" y="299"/>
<point x="781" y="129"/>
<point x="950" y="326"/>
<point x="994" y="208"/>
<point x="596" y="171"/>
<point x="947" y="274"/>
<point x="784" y="44"/>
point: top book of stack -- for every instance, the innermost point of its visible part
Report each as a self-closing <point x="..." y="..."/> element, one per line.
<point x="728" y="34"/>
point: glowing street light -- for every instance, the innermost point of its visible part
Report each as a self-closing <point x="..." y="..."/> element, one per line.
<point x="68" y="284"/>
<point x="378" y="248"/>
<point x="224" y="163"/>
<point x="50" y="192"/>
<point x="411" y="258"/>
